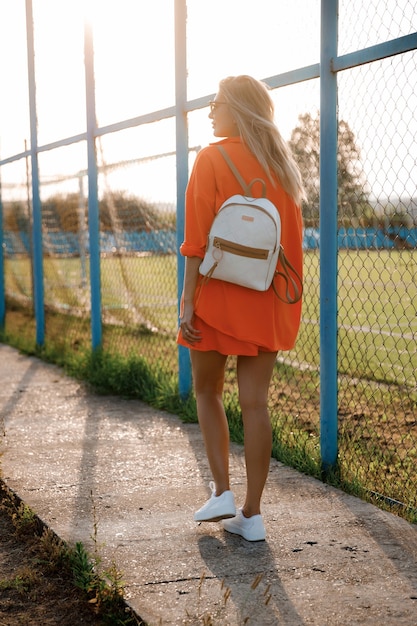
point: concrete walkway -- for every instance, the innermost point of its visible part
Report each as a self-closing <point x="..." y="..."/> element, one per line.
<point x="80" y="460"/>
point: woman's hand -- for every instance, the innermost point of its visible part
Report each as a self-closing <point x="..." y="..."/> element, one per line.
<point x="189" y="332"/>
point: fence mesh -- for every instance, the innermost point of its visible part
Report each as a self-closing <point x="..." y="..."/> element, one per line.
<point x="377" y="240"/>
<point x="377" y="282"/>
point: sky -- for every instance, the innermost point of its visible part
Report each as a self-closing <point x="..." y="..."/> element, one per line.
<point x="134" y="72"/>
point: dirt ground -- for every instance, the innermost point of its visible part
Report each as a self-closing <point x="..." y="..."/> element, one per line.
<point x="32" y="593"/>
<point x="34" y="590"/>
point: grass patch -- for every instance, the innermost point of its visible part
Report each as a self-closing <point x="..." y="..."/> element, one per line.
<point x="50" y="581"/>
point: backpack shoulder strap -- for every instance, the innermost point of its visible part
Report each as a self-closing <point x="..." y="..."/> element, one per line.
<point x="247" y="189"/>
<point x="235" y="171"/>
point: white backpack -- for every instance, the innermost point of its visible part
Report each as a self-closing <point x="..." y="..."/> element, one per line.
<point x="244" y="243"/>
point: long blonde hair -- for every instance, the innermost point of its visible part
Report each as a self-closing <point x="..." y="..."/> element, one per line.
<point x="253" y="111"/>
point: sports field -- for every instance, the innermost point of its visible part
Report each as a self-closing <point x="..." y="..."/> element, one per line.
<point x="377" y="304"/>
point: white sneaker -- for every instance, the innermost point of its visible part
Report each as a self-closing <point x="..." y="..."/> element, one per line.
<point x="217" y="508"/>
<point x="250" y="528"/>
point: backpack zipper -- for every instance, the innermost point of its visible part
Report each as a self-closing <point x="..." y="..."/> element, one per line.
<point x="239" y="249"/>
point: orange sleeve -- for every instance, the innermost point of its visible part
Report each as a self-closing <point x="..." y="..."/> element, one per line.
<point x="199" y="206"/>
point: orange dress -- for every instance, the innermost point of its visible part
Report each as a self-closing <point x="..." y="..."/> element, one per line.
<point x="234" y="319"/>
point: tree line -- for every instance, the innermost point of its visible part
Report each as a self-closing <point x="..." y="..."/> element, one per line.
<point x="121" y="211"/>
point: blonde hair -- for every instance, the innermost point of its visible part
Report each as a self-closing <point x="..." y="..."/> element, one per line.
<point x="253" y="111"/>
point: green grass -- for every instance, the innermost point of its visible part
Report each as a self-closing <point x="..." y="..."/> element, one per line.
<point x="101" y="587"/>
<point x="377" y="319"/>
<point x="377" y="289"/>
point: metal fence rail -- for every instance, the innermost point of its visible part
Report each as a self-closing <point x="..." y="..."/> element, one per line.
<point x="91" y="245"/>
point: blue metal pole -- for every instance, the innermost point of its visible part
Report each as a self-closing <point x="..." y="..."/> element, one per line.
<point x="93" y="206"/>
<point x="182" y="170"/>
<point x="38" y="288"/>
<point x="328" y="236"/>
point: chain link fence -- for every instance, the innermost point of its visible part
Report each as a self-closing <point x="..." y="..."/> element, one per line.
<point x="377" y="262"/>
<point x="377" y="259"/>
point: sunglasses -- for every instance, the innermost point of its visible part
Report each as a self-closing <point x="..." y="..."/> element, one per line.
<point x="214" y="104"/>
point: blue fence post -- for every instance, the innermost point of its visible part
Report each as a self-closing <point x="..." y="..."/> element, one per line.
<point x="184" y="380"/>
<point x="93" y="206"/>
<point x="328" y="236"/>
<point x="38" y="288"/>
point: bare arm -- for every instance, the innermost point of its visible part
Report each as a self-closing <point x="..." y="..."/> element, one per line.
<point x="187" y="300"/>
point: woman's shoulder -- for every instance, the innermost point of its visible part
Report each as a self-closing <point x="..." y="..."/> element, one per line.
<point x="213" y="148"/>
<point x="233" y="146"/>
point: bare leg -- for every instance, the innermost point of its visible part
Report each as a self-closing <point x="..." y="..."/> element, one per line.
<point x="208" y="379"/>
<point x="254" y="375"/>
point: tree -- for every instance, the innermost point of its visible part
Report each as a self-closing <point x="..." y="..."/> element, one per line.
<point x="16" y="216"/>
<point x="125" y="212"/>
<point x="305" y="145"/>
<point x="353" y="201"/>
<point x="62" y="213"/>
<point x="119" y="211"/>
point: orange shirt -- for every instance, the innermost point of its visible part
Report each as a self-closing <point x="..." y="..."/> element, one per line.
<point x="258" y="317"/>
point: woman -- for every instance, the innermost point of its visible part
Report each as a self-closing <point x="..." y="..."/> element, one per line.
<point x="220" y="319"/>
